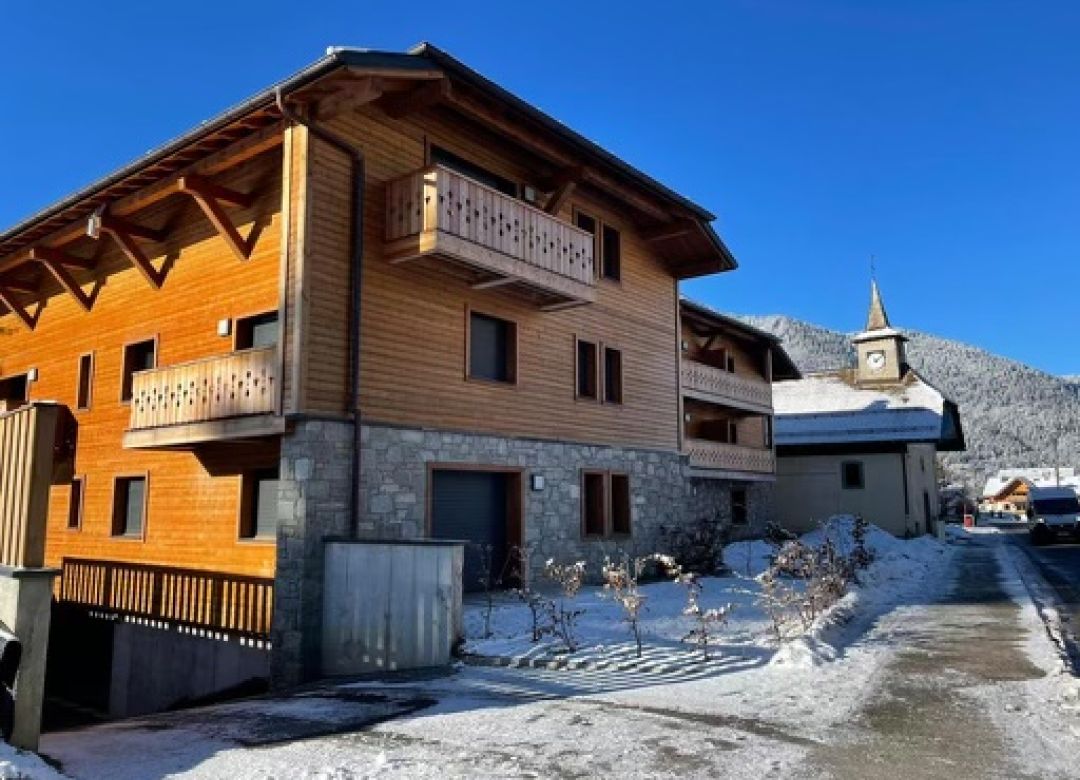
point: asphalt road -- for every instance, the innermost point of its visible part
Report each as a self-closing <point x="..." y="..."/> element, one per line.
<point x="1059" y="565"/>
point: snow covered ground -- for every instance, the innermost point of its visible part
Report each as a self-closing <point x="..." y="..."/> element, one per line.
<point x="756" y="710"/>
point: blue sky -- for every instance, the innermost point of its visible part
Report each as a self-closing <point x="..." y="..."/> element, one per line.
<point x="938" y="135"/>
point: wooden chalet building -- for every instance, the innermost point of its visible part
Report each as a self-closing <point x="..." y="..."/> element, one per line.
<point x="249" y="368"/>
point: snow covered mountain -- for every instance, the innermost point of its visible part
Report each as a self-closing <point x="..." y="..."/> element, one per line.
<point x="1013" y="415"/>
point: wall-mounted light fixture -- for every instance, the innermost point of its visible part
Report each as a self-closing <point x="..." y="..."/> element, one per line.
<point x="31" y="375"/>
<point x="224" y="327"/>
<point x="536" y="481"/>
<point x="685" y="346"/>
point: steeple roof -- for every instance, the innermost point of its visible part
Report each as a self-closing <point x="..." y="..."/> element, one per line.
<point x="877" y="319"/>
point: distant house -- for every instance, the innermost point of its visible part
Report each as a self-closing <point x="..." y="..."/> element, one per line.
<point x="863" y="440"/>
<point x="1007" y="491"/>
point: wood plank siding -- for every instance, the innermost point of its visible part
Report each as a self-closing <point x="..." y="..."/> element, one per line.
<point x="193" y="497"/>
<point x="414" y="314"/>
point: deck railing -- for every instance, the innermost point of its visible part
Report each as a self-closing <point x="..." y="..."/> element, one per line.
<point x="28" y="441"/>
<point x="214" y="601"/>
<point x="710" y="383"/>
<point x="439" y="200"/>
<point x="705" y="454"/>
<point x="234" y="385"/>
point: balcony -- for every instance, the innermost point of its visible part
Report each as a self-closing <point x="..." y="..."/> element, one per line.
<point x="715" y="385"/>
<point x="716" y="459"/>
<point x="221" y="398"/>
<point x="497" y="240"/>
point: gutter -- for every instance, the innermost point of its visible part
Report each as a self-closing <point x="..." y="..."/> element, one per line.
<point x="356" y="267"/>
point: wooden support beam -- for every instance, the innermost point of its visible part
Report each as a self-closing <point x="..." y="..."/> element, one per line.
<point x="209" y="196"/>
<point x="673" y="229"/>
<point x="197" y="185"/>
<point x="68" y="282"/>
<point x="15" y="285"/>
<point x="355" y="94"/>
<point x="402" y="104"/>
<point x="19" y="310"/>
<point x="562" y="305"/>
<point x="59" y="257"/>
<point x="498" y="281"/>
<point x="563" y="186"/>
<point x="123" y="233"/>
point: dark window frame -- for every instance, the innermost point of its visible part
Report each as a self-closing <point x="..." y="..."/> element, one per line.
<point x="613" y="388"/>
<point x="511" y="347"/>
<point x="739" y="507"/>
<point x="243" y="329"/>
<point x="846" y="482"/>
<point x="120" y="501"/>
<point x="608" y="503"/>
<point x="464" y="166"/>
<point x="590" y="372"/>
<point x="601" y="230"/>
<point x="76" y="502"/>
<point x="248" y="521"/>
<point x="25" y="377"/>
<point x="84" y="382"/>
<point x="127" y="372"/>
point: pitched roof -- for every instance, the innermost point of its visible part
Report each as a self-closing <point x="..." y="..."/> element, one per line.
<point x="830" y="408"/>
<point x="877" y="319"/>
<point x="1042" y="476"/>
<point x="783" y="366"/>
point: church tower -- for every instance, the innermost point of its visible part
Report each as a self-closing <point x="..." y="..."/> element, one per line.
<point x="880" y="348"/>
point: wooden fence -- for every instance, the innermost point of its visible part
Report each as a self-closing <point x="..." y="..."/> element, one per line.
<point x="233" y="603"/>
<point x="28" y="442"/>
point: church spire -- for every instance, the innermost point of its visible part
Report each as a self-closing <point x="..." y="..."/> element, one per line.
<point x="877" y="319"/>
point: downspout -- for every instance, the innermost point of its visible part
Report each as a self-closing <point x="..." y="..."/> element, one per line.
<point x="356" y="156"/>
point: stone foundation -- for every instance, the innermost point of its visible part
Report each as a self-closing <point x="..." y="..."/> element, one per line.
<point x="396" y="461"/>
<point x="313" y="504"/>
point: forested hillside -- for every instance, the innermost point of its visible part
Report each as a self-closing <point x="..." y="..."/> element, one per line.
<point x="1013" y="415"/>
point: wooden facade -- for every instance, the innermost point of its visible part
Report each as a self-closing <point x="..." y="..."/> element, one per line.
<point x="256" y="216"/>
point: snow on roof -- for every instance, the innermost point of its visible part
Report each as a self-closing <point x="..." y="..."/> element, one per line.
<point x="831" y="408"/>
<point x="1042" y="476"/>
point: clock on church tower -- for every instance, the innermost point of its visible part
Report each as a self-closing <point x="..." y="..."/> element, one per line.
<point x="880" y="348"/>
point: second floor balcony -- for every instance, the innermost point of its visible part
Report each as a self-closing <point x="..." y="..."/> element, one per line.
<point x="715" y="385"/>
<point x="232" y="396"/>
<point x="498" y="240"/>
<point x="713" y="458"/>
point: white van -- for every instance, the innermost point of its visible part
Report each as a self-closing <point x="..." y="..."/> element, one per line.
<point x="1053" y="512"/>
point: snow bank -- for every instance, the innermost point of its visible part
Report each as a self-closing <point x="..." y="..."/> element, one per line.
<point x="22" y="765"/>
<point x="899" y="567"/>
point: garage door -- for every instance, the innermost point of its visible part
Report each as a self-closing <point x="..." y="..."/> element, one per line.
<point x="472" y="506"/>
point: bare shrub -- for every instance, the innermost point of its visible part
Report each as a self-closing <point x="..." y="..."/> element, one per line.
<point x="562" y="615"/>
<point x="706" y="621"/>
<point x="698" y="546"/>
<point x="621" y="583"/>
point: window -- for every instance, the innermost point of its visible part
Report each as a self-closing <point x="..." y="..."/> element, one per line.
<point x="492" y="348"/>
<point x="14" y="392"/>
<point x="607" y="245"/>
<point x="258" y="504"/>
<point x="611" y="254"/>
<point x="731" y="364"/>
<point x="129" y="507"/>
<point x="851" y="475"/>
<point x="592" y="504"/>
<point x="586" y="370"/>
<point x="620" y="504"/>
<point x="613" y="384"/>
<point x="458" y="164"/>
<point x="75" y="503"/>
<point x="732" y="432"/>
<point x="739" y="515"/>
<point x="605" y="504"/>
<point x="84" y="387"/>
<point x="258" y="331"/>
<point x="768" y="431"/>
<point x="137" y="357"/>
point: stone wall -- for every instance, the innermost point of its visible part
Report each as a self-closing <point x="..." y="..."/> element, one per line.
<point x="313" y="504"/>
<point x="395" y="463"/>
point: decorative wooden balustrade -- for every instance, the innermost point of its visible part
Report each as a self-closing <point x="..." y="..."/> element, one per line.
<point x="714" y="455"/>
<point x="234" y="385"/>
<point x="213" y="601"/>
<point x="28" y="443"/>
<point x="707" y="383"/>
<point x="437" y="212"/>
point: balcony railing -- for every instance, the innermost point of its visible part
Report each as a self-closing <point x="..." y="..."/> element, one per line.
<point x="437" y="212"/>
<point x="231" y="603"/>
<point x="706" y="383"/>
<point x="218" y="388"/>
<point x="714" y="455"/>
